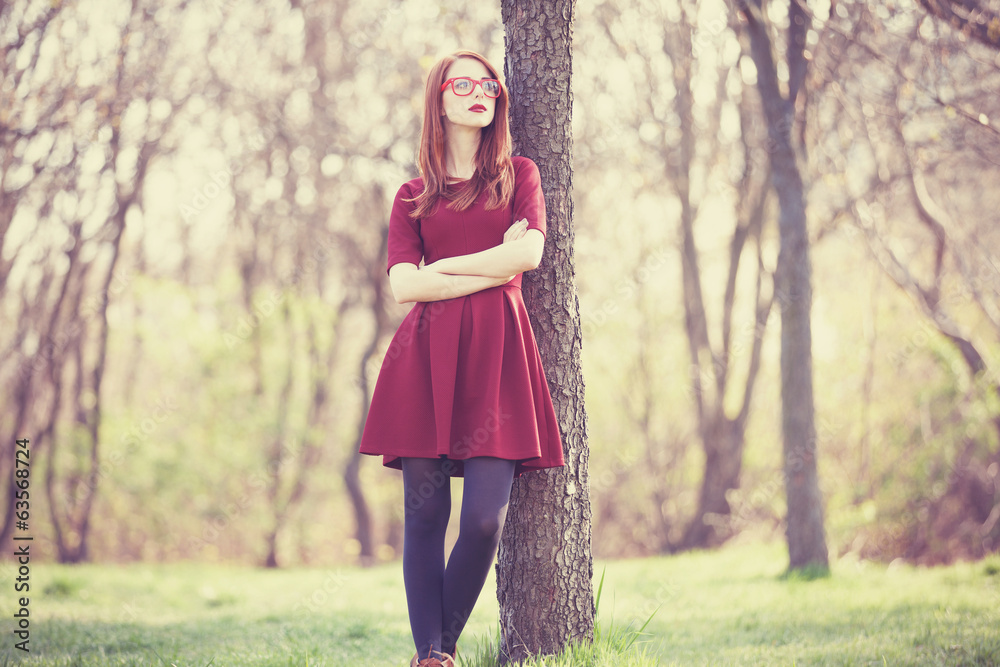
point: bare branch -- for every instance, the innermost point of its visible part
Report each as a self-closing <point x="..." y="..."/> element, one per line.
<point x="970" y="19"/>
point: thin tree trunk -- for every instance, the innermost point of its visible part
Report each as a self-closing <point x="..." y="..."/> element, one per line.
<point x="93" y="415"/>
<point x="804" y="528"/>
<point x="55" y="372"/>
<point x="722" y="436"/>
<point x="352" y="469"/>
<point x="545" y="565"/>
<point x="276" y="458"/>
<point x="67" y="328"/>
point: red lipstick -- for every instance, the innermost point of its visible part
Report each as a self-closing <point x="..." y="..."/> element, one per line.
<point x="478" y="108"/>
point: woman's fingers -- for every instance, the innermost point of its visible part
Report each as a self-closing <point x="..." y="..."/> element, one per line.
<point x="516" y="231"/>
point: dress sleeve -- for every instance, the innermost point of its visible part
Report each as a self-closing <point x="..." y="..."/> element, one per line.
<point x="405" y="243"/>
<point x="529" y="202"/>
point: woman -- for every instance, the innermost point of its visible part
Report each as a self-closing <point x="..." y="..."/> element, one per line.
<point x="461" y="391"/>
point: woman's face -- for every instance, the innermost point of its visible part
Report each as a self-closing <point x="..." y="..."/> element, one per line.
<point x="472" y="110"/>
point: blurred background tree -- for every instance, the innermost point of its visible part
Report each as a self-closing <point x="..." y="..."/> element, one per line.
<point x="918" y="144"/>
<point x="193" y="202"/>
<point x="804" y="527"/>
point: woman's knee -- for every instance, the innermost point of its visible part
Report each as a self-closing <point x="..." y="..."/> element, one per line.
<point x="483" y="527"/>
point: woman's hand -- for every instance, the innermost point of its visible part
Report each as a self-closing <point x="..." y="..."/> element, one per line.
<point x="516" y="231"/>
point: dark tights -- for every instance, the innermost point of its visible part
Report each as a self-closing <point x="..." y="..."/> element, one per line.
<point x="439" y="599"/>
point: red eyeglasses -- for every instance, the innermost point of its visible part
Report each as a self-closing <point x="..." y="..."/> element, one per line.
<point x="463" y="85"/>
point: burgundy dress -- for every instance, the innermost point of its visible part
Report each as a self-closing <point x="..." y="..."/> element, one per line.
<point x="462" y="377"/>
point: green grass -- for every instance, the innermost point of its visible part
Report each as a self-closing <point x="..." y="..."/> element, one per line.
<point x="730" y="607"/>
<point x="613" y="644"/>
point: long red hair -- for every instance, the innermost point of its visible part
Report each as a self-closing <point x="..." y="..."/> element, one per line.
<point x="494" y="169"/>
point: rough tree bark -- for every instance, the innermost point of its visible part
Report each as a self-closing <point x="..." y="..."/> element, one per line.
<point x="545" y="565"/>
<point x="804" y="524"/>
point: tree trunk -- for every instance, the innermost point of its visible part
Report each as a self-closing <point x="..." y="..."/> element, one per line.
<point x="721" y="436"/>
<point x="352" y="469"/>
<point x="806" y="539"/>
<point x="276" y="457"/>
<point x="723" y="445"/>
<point x="804" y="528"/>
<point x="93" y="414"/>
<point x="545" y="565"/>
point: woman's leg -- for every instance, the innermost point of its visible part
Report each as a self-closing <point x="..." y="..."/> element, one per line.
<point x="427" y="507"/>
<point x="486" y="492"/>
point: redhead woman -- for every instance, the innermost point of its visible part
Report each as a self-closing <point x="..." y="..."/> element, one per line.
<point x="461" y="391"/>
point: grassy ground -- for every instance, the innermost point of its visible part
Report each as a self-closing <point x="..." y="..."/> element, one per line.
<point x="723" y="608"/>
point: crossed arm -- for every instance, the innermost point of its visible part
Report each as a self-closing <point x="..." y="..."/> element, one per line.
<point x="521" y="250"/>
